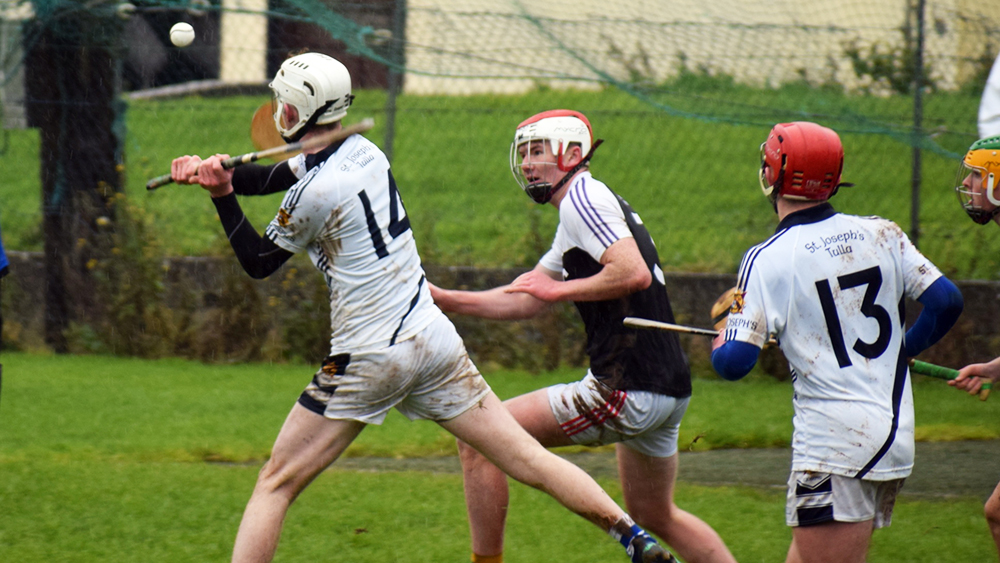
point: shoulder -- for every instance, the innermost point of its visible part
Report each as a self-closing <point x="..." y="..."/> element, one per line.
<point x="773" y="242"/>
<point x="587" y="195"/>
<point x="336" y="170"/>
<point x="771" y="253"/>
<point x="881" y="228"/>
<point x="869" y="219"/>
<point x="358" y="154"/>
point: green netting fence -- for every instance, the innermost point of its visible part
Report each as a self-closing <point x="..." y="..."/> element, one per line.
<point x="95" y="100"/>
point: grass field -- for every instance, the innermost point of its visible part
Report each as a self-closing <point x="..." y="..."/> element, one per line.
<point x="113" y="459"/>
<point x="693" y="181"/>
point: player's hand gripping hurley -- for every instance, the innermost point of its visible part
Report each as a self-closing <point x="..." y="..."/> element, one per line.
<point x="315" y="142"/>
<point x="932" y="370"/>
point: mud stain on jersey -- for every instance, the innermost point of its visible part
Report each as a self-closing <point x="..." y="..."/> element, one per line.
<point x="461" y="379"/>
<point x="329" y="242"/>
<point x="469" y="377"/>
<point x="888" y="231"/>
<point x="861" y="434"/>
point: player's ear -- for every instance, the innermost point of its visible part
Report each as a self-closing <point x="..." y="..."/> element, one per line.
<point x="573" y="156"/>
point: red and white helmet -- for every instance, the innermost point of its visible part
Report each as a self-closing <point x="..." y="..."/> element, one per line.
<point x="317" y="85"/>
<point x="560" y="128"/>
<point x="801" y="160"/>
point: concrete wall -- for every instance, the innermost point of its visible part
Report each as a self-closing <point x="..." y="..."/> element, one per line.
<point x="243" y="42"/>
<point x="12" y="75"/>
<point x="490" y="46"/>
<point x="290" y="308"/>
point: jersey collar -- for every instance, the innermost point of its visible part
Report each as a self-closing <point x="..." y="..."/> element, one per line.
<point x="315" y="159"/>
<point x="806" y="216"/>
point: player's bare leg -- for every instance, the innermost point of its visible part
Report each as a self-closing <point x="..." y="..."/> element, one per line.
<point x="648" y="487"/>
<point x="992" y="511"/>
<point x="306" y="444"/>
<point x="491" y="429"/>
<point x="835" y="542"/>
<point x="486" y="499"/>
<point x="486" y="492"/>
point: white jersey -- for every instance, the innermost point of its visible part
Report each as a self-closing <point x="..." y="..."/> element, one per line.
<point x="830" y="288"/>
<point x="346" y="213"/>
<point x="989" y="104"/>
<point x="590" y="218"/>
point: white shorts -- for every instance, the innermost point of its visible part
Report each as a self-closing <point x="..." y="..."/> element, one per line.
<point x="429" y="376"/>
<point x="818" y="498"/>
<point x="593" y="414"/>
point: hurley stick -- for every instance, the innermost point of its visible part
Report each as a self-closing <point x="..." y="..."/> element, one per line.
<point x="314" y="142"/>
<point x="940" y="372"/>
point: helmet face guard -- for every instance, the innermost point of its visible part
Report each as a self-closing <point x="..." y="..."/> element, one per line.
<point x="981" y="169"/>
<point x="558" y="130"/>
<point x="309" y="89"/>
<point x="801" y="161"/>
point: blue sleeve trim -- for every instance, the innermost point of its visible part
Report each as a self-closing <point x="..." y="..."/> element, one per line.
<point x="3" y="261"/>
<point x="734" y="359"/>
<point x="943" y="303"/>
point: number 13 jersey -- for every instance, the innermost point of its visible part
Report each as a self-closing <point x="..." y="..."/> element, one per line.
<point x="345" y="211"/>
<point x="831" y="289"/>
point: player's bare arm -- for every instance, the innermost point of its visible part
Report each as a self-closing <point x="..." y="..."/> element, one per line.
<point x="624" y="273"/>
<point x="494" y="303"/>
<point x="541" y="283"/>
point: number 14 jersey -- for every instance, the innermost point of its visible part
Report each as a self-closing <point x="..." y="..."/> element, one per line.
<point x="346" y="212"/>
<point x="831" y="289"/>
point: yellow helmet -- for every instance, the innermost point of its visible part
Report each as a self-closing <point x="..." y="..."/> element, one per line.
<point x="982" y="162"/>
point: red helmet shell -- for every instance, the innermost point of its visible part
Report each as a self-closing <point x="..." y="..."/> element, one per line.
<point x="801" y="160"/>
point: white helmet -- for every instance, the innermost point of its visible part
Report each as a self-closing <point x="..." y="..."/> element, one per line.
<point x="317" y="86"/>
<point x="561" y="128"/>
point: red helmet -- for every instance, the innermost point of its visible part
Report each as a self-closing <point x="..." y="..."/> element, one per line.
<point x="801" y="160"/>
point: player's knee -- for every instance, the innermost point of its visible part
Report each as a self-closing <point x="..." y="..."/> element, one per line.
<point x="276" y="478"/>
<point x="992" y="510"/>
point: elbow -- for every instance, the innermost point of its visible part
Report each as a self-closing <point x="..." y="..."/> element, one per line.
<point x="956" y="305"/>
<point x="734" y="360"/>
<point x="256" y="272"/>
<point x="729" y="372"/>
<point x="641" y="280"/>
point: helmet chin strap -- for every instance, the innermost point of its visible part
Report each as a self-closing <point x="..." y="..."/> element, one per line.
<point x="541" y="192"/>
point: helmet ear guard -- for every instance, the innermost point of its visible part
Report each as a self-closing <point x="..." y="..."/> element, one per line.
<point x="990" y="184"/>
